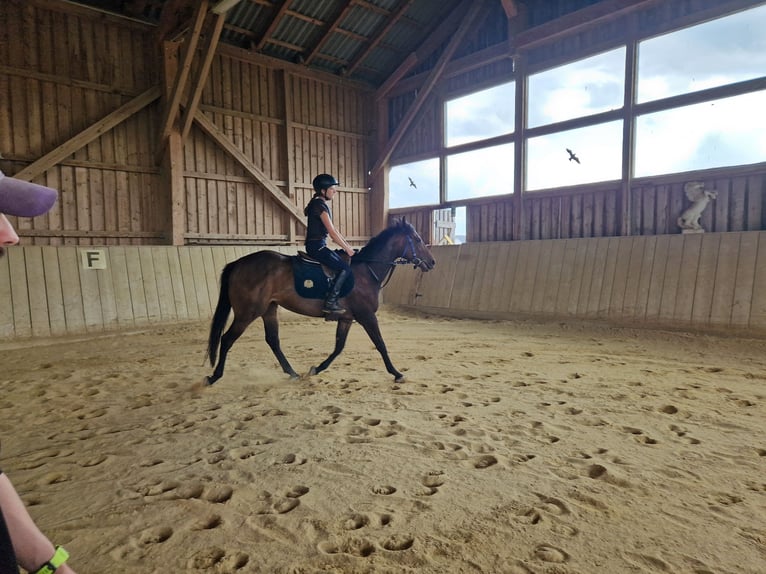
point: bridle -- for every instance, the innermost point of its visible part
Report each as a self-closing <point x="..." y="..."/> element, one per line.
<point x="402" y="259"/>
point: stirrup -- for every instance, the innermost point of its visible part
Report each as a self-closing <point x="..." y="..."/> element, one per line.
<point x="333" y="308"/>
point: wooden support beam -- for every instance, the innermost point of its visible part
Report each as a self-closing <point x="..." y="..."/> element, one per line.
<point x="89" y="134"/>
<point x="289" y="149"/>
<point x="230" y="147"/>
<point x="433" y="77"/>
<point x="273" y="25"/>
<point x="436" y="39"/>
<point x="199" y="85"/>
<point x="511" y="10"/>
<point x="336" y="23"/>
<point x="182" y="75"/>
<point x="403" y="7"/>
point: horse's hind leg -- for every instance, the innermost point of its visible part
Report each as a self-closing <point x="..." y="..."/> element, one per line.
<point x="341" y="333"/>
<point x="271" y="327"/>
<point x="233" y="333"/>
<point x="370" y="324"/>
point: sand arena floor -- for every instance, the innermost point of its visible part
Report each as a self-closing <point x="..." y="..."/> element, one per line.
<point x="513" y="447"/>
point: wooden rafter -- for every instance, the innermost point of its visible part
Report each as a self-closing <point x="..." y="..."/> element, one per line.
<point x="379" y="35"/>
<point x="437" y="37"/>
<point x="174" y="101"/>
<point x="208" y="52"/>
<point x="336" y="23"/>
<point x="231" y="148"/>
<point x="89" y="134"/>
<point x="425" y="91"/>
<point x="510" y="7"/>
<point x="273" y="24"/>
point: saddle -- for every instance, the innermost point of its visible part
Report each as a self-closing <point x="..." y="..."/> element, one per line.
<point x="313" y="279"/>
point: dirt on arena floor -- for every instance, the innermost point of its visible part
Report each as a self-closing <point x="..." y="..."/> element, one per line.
<point x="513" y="447"/>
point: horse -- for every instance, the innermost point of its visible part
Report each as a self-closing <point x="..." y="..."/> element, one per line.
<point x="257" y="284"/>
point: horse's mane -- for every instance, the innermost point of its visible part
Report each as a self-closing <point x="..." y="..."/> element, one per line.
<point x="376" y="244"/>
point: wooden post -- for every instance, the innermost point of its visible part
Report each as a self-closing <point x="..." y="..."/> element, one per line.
<point x="287" y="98"/>
<point x="379" y="181"/>
<point x="172" y="164"/>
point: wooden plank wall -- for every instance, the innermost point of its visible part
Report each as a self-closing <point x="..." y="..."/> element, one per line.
<point x="700" y="281"/>
<point x="292" y="128"/>
<point x="47" y="291"/>
<point x="62" y="69"/>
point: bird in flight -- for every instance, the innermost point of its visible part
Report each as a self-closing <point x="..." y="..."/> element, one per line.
<point x="412" y="183"/>
<point x="572" y="156"/>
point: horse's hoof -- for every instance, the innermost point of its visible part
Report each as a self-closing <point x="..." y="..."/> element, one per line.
<point x="399" y="379"/>
<point x="294" y="376"/>
<point x="312" y="371"/>
<point x="206" y="382"/>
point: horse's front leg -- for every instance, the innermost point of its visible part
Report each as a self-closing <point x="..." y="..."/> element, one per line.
<point x="271" y="327"/>
<point x="341" y="333"/>
<point x="370" y="324"/>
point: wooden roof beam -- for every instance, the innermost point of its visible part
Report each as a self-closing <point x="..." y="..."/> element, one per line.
<point x="510" y="7"/>
<point x="403" y="7"/>
<point x="273" y="24"/>
<point x="182" y="75"/>
<point x="323" y="40"/>
<point x="470" y="17"/>
<point x="437" y="37"/>
<point x="211" y="44"/>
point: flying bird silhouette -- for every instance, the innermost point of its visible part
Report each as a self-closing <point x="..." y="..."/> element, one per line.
<point x="572" y="156"/>
<point x="412" y="183"/>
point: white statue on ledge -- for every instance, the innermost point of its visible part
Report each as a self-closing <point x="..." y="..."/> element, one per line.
<point x="689" y="221"/>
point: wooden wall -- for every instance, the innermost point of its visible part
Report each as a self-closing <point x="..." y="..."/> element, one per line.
<point x="703" y="281"/>
<point x="292" y="128"/>
<point x="48" y="292"/>
<point x="85" y="119"/>
<point x="62" y="69"/>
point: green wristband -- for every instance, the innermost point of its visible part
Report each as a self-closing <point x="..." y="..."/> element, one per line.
<point x="59" y="557"/>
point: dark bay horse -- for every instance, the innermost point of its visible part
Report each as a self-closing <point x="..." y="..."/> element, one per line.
<point x="257" y="284"/>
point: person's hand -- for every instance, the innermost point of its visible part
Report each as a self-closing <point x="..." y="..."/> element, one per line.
<point x="350" y="252"/>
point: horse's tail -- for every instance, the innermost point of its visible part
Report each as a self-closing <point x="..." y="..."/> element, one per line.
<point x="220" y="316"/>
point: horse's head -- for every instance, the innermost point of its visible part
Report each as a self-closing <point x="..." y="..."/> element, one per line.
<point x="413" y="249"/>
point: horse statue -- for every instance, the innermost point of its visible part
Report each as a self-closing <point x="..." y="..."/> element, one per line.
<point x="257" y="284"/>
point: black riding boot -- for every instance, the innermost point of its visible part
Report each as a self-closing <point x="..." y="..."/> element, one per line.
<point x="331" y="303"/>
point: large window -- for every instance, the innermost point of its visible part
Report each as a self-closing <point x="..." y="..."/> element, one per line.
<point x="573" y="157"/>
<point x="480" y="173"/>
<point x="730" y="131"/>
<point x="578" y="89"/>
<point x="414" y="184"/>
<point x="480" y="116"/>
<point x="709" y="131"/>
<point x="716" y="53"/>
<point x="699" y="95"/>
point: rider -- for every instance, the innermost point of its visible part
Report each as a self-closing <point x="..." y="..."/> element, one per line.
<point x="319" y="226"/>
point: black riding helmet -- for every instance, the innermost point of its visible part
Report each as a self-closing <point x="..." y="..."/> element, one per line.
<point x="323" y="181"/>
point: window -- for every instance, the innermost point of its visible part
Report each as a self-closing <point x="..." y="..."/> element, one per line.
<point x="480" y="173"/>
<point x="481" y="115"/>
<point x="729" y="131"/>
<point x="579" y="89"/>
<point x="414" y="184"/>
<point x="596" y="156"/>
<point x="715" y="53"/>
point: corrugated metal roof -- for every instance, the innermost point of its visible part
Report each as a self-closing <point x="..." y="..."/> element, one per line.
<point x="364" y="40"/>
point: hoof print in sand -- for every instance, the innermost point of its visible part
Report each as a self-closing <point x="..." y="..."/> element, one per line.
<point x="216" y="558"/>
